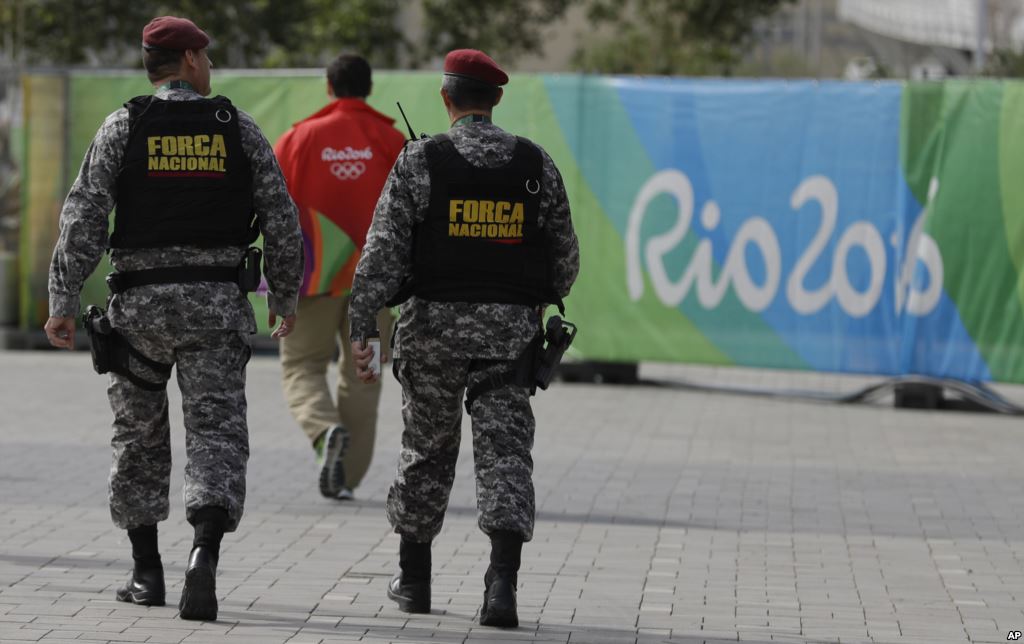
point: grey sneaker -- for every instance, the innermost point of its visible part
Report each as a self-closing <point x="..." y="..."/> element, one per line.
<point x="332" y="471"/>
<point x="346" y="494"/>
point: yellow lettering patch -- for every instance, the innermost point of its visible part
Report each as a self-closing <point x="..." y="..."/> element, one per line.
<point x="486" y="219"/>
<point x="199" y="154"/>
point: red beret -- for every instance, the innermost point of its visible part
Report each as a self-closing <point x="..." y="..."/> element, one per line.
<point x="168" y="32"/>
<point x="475" y="64"/>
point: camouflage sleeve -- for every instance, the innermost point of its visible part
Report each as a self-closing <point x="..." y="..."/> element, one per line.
<point x="279" y="220"/>
<point x="557" y="221"/>
<point x="84" y="218"/>
<point x="386" y="260"/>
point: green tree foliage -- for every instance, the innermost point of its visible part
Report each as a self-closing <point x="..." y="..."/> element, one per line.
<point x="505" y="29"/>
<point x="70" y="31"/>
<point x="275" y="33"/>
<point x="323" y="28"/>
<point x="692" y="37"/>
<point x="246" y="33"/>
<point x="1004" y="63"/>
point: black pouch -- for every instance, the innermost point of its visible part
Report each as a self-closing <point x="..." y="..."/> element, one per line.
<point x="558" y="335"/>
<point x="101" y="338"/>
<point x="249" y="272"/>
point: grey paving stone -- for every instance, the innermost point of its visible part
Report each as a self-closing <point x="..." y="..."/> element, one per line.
<point x="664" y="516"/>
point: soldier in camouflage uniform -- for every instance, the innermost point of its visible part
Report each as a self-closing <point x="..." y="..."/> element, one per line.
<point x="475" y="226"/>
<point x="194" y="222"/>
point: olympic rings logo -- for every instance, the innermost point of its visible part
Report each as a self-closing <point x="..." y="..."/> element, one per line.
<point x="348" y="170"/>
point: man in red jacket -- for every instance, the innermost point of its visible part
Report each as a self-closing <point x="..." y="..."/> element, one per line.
<point x="335" y="163"/>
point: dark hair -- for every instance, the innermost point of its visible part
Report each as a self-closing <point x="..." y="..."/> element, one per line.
<point x="470" y="94"/>
<point x="349" y="76"/>
<point x="161" y="63"/>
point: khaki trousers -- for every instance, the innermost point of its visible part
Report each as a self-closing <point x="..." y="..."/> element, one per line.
<point x="321" y="328"/>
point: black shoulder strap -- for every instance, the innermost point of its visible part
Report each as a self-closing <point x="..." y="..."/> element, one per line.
<point x="440" y="149"/>
<point x="134" y="105"/>
<point x="535" y="159"/>
<point x="222" y="104"/>
<point x="136" y="108"/>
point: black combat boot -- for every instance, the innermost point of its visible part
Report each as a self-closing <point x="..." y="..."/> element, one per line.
<point x="411" y="587"/>
<point x="146" y="586"/>
<point x="199" y="594"/>
<point x="501" y="579"/>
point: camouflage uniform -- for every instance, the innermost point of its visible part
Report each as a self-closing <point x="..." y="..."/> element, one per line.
<point x="202" y="327"/>
<point x="440" y="347"/>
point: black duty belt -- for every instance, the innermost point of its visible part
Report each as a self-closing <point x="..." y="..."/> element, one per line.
<point x="122" y="281"/>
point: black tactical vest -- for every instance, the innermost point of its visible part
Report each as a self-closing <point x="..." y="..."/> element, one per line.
<point x="480" y="241"/>
<point x="186" y="180"/>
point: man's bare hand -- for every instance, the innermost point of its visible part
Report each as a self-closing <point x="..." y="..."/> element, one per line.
<point x="287" y="325"/>
<point x="363" y="355"/>
<point x="60" y="332"/>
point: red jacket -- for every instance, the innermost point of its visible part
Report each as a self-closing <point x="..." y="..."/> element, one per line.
<point x="336" y="162"/>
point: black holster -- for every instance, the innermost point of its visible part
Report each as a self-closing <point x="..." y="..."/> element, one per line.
<point x="536" y="365"/>
<point x="101" y="338"/>
<point x="558" y="335"/>
<point x="111" y="353"/>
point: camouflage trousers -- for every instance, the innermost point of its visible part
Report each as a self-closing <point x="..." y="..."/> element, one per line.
<point x="503" y="429"/>
<point x="210" y="368"/>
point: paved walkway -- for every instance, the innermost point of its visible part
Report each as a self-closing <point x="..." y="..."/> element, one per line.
<point x="663" y="516"/>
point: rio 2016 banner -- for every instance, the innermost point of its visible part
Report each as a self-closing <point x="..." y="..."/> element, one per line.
<point x="867" y="228"/>
<point x="871" y="228"/>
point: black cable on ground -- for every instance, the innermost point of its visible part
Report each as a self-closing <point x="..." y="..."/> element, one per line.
<point x="973" y="396"/>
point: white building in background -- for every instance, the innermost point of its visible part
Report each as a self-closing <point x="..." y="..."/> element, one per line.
<point x="863" y="39"/>
<point x="973" y="28"/>
<point x="943" y="23"/>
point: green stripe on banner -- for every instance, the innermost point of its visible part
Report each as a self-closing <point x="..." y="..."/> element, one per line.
<point x="952" y="137"/>
<point x="1011" y="176"/>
